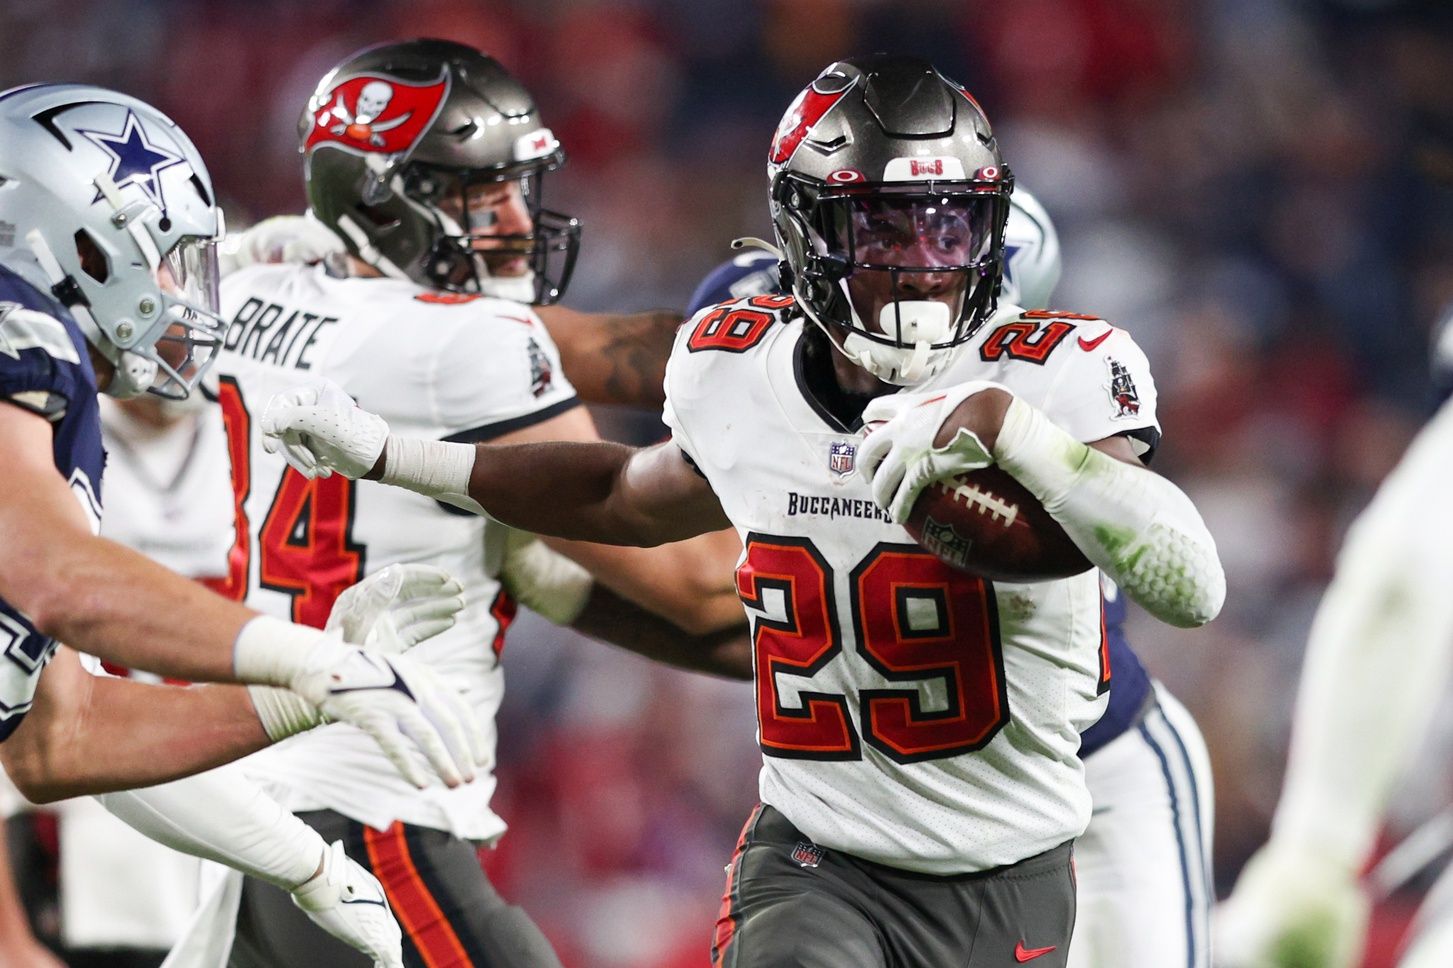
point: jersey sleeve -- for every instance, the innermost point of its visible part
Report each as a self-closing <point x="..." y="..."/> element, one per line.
<point x="39" y="365"/>
<point x="684" y="385"/>
<point x="496" y="374"/>
<point x="1105" y="389"/>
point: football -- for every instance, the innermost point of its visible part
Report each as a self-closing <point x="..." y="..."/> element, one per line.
<point x="988" y="524"/>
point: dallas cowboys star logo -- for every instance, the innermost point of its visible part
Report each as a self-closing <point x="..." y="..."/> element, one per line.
<point x="134" y="160"/>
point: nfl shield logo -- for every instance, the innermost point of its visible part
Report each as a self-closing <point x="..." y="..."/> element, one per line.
<point x="842" y="457"/>
<point x="806" y="854"/>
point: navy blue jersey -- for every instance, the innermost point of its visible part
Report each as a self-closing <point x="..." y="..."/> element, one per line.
<point x="754" y="273"/>
<point x="46" y="369"/>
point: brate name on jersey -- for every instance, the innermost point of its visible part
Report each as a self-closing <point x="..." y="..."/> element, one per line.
<point x="272" y="333"/>
<point x="824" y="506"/>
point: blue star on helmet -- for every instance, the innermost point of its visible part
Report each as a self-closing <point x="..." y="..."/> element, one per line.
<point x="134" y="159"/>
<point x="1011" y="256"/>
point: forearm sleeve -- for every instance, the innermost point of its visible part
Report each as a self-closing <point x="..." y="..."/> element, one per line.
<point x="221" y="816"/>
<point x="1136" y="526"/>
<point x="1378" y="659"/>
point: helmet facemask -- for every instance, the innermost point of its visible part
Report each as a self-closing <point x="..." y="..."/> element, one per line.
<point x="472" y="251"/>
<point x="897" y="275"/>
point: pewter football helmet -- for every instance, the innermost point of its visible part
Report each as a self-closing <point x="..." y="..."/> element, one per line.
<point x="889" y="200"/>
<point x="397" y="128"/>
<point x="106" y="203"/>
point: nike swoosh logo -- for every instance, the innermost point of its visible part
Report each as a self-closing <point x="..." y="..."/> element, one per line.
<point x="394" y="682"/>
<point x="1089" y="344"/>
<point x="364" y="900"/>
<point x="1023" y="954"/>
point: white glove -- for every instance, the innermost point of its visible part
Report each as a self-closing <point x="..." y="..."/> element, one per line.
<point x="417" y="601"/>
<point x="400" y="702"/>
<point x="898" y="459"/>
<point x="319" y="430"/>
<point x="544" y="580"/>
<point x="282" y="238"/>
<point x="394" y="608"/>
<point x="349" y="903"/>
<point x="1292" y="909"/>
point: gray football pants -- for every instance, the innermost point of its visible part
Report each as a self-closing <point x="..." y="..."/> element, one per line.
<point x="792" y="904"/>
<point x="451" y="915"/>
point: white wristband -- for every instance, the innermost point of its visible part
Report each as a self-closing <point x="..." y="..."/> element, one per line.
<point x="271" y="652"/>
<point x="435" y="468"/>
<point x="283" y="713"/>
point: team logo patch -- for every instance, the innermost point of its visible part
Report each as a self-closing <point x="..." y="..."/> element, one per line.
<point x="807" y="854"/>
<point x="1122" y="390"/>
<point x="942" y="540"/>
<point x="373" y="114"/>
<point x="542" y="374"/>
<point x="136" y="159"/>
<point x="842" y="457"/>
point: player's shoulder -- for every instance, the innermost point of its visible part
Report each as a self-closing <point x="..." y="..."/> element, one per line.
<point x="1049" y="341"/>
<point x="43" y="361"/>
<point x="737" y="328"/>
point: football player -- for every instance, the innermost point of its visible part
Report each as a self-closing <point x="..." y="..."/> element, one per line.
<point x="1143" y="866"/>
<point x="1384" y="629"/>
<point x="427" y="158"/>
<point x="920" y="783"/>
<point x="108" y="284"/>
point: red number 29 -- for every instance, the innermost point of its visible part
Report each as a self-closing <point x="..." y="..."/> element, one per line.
<point x="915" y="620"/>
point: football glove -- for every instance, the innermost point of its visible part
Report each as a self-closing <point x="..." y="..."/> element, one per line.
<point x="396" y="607"/>
<point x="319" y="430"/>
<point x="399" y="702"/>
<point x="349" y="903"/>
<point x="282" y="238"/>
<point x="899" y="459"/>
<point x="417" y="601"/>
<point x="1292" y="909"/>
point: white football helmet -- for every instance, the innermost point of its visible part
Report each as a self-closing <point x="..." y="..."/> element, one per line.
<point x="105" y="203"/>
<point x="1032" y="263"/>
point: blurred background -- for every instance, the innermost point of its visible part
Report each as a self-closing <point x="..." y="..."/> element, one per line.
<point x="1261" y="191"/>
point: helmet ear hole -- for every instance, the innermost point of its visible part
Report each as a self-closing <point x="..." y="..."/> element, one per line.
<point x="377" y="216"/>
<point x="91" y="258"/>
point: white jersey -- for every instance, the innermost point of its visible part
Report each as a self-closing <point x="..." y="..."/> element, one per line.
<point x="168" y="493"/>
<point x="908" y="713"/>
<point x="434" y="365"/>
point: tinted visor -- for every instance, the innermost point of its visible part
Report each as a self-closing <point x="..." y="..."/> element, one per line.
<point x="915" y="231"/>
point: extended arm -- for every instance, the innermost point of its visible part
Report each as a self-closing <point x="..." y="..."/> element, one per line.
<point x="1377" y="664"/>
<point x="221" y="816"/>
<point x="567" y="594"/>
<point x="91" y="734"/>
<point x="614" y="357"/>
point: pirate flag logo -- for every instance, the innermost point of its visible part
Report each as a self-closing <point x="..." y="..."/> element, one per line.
<point x="374" y="114"/>
<point x="1122" y="390"/>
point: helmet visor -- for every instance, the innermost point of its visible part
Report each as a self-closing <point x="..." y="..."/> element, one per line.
<point x="912" y="246"/>
<point x="192" y="335"/>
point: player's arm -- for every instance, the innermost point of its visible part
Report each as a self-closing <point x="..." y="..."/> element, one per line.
<point x="1136" y="526"/>
<point x="584" y="491"/>
<point x="90" y="734"/>
<point x="1376" y="667"/>
<point x="689" y="582"/>
<point x="614" y="357"/>
<point x="104" y="599"/>
<point x="569" y="595"/>
<point x="19" y="946"/>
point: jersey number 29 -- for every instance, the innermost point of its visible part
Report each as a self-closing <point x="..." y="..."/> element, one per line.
<point x="925" y="628"/>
